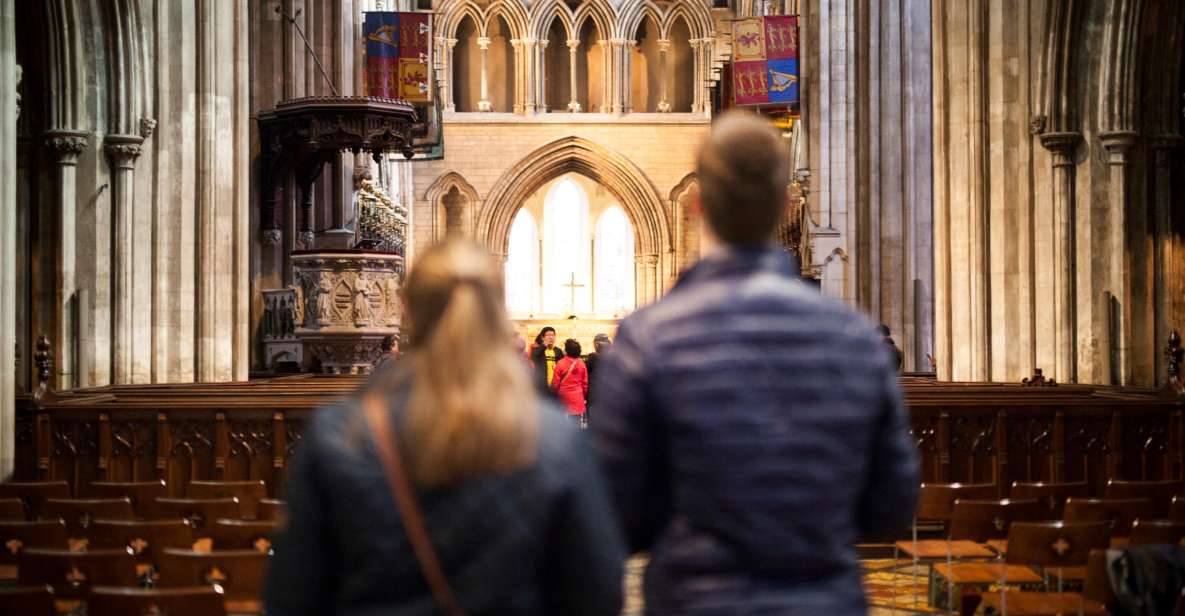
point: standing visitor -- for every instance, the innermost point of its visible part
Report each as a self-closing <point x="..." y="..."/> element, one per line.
<point x="894" y="351"/>
<point x="544" y="355"/>
<point x="570" y="381"/>
<point x="446" y="490"/>
<point x="751" y="429"/>
<point x="601" y="344"/>
<point x="389" y="348"/>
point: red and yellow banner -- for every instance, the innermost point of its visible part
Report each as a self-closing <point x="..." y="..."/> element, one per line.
<point x="765" y="61"/>
<point x="399" y="55"/>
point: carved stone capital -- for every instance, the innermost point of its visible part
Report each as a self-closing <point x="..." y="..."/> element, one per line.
<point x="271" y="237"/>
<point x="67" y="145"/>
<point x="483" y="42"/>
<point x="147" y="126"/>
<point x="1118" y="144"/>
<point x="123" y="150"/>
<point x="573" y="44"/>
<point x="1062" y="145"/>
<point x="664" y="45"/>
<point x="1037" y="124"/>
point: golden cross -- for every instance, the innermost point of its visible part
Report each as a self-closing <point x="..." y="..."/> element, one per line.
<point x="1061" y="546"/>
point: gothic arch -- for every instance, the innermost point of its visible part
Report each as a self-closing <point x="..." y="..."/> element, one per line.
<point x="634" y="191"/>
<point x="443" y="187"/>
<point x="544" y="14"/>
<point x="512" y="12"/>
<point x="630" y="21"/>
<point x="600" y="13"/>
<point x="695" y="15"/>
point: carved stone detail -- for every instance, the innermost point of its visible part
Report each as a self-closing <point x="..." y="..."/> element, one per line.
<point x="350" y="301"/>
<point x="271" y="237"/>
<point x="147" y="127"/>
<point x="1038" y="380"/>
<point x="67" y="145"/>
<point x="123" y="150"/>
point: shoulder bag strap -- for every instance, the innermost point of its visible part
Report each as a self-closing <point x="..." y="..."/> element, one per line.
<point x="405" y="498"/>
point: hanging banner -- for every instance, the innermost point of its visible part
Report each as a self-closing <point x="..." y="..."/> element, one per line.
<point x="398" y="55"/>
<point x="765" y="61"/>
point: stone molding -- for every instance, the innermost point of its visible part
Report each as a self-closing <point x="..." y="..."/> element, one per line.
<point x="67" y="145"/>
<point x="1118" y="144"/>
<point x="1062" y="145"/>
<point x="123" y="150"/>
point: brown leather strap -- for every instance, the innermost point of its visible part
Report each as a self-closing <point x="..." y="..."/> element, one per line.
<point x="409" y="510"/>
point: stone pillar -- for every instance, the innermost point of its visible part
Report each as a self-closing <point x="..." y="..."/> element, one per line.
<point x="9" y="78"/>
<point x="606" y="75"/>
<point x="518" y="97"/>
<point x="123" y="151"/>
<point x="541" y="75"/>
<point x="704" y="59"/>
<point x="307" y="237"/>
<point x="573" y="102"/>
<point x="483" y="43"/>
<point x="1118" y="144"/>
<point x="697" y="76"/>
<point x="66" y="145"/>
<point x="1063" y="145"/>
<point x="664" y="65"/>
<point x="448" y="93"/>
<point x="528" y="74"/>
<point x="653" y="280"/>
<point x="1162" y="252"/>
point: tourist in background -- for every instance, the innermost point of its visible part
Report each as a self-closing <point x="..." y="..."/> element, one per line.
<point x="544" y="355"/>
<point x="750" y="428"/>
<point x="601" y="344"/>
<point x="894" y="350"/>
<point x="501" y="510"/>
<point x="570" y="381"/>
<point x="390" y="350"/>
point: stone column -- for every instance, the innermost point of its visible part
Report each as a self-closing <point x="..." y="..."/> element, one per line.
<point x="1118" y="144"/>
<point x="528" y="75"/>
<point x="483" y="43"/>
<point x="66" y="145"/>
<point x="606" y="75"/>
<point x="1063" y="145"/>
<point x="1162" y="253"/>
<point x="664" y="65"/>
<point x="541" y="75"/>
<point x="653" y="280"/>
<point x="518" y="96"/>
<point x="573" y="102"/>
<point x="704" y="59"/>
<point x="9" y="78"/>
<point x="448" y="94"/>
<point x="123" y="151"/>
<point x="307" y="237"/>
<point x="697" y="75"/>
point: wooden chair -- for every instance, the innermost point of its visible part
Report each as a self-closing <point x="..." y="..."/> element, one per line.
<point x="240" y="574"/>
<point x="244" y="535"/>
<point x="79" y="512"/>
<point x="12" y="510"/>
<point x="249" y="494"/>
<point x="1161" y="493"/>
<point x="1121" y="513"/>
<point x="143" y="494"/>
<point x="28" y="600"/>
<point x="1050" y="546"/>
<point x="73" y="573"/>
<point x="16" y="536"/>
<point x="981" y="521"/>
<point x="272" y="509"/>
<point x="1054" y="495"/>
<point x="935" y="502"/>
<point x="144" y="539"/>
<point x="1145" y="532"/>
<point x="193" y="601"/>
<point x="34" y="493"/>
<point x="199" y="512"/>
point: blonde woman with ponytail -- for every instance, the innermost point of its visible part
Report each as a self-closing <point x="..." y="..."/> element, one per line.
<point x="448" y="486"/>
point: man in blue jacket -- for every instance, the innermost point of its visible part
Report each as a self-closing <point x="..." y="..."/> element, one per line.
<point x="750" y="429"/>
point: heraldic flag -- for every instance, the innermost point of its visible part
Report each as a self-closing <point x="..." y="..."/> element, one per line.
<point x="398" y="54"/>
<point x="765" y="61"/>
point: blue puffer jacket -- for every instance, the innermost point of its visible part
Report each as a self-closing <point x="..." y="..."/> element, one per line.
<point x="751" y="432"/>
<point x="541" y="540"/>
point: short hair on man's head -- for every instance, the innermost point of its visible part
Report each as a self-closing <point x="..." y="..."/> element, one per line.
<point x="744" y="174"/>
<point x="389" y="343"/>
<point x="572" y="348"/>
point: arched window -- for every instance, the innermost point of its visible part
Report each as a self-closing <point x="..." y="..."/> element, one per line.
<point x="614" y="264"/>
<point x="466" y="67"/>
<point x="565" y="249"/>
<point x="522" y="266"/>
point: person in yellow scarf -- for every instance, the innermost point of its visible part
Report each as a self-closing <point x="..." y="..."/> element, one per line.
<point x="544" y="355"/>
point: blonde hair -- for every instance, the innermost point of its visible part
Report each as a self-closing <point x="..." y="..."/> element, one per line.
<point x="472" y="409"/>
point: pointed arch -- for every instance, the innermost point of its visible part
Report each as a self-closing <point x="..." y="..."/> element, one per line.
<point x="512" y="13"/>
<point x="631" y="20"/>
<point x="695" y="14"/>
<point x="621" y="177"/>
<point x="455" y="11"/>
<point x="601" y="14"/>
<point x="544" y="14"/>
<point x="462" y="199"/>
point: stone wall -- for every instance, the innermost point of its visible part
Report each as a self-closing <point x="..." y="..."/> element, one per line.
<point x="1055" y="241"/>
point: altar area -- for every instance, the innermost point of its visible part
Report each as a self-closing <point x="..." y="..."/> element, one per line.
<point x="583" y="330"/>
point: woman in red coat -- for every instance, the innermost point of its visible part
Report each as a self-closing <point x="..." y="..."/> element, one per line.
<point x="570" y="381"/>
